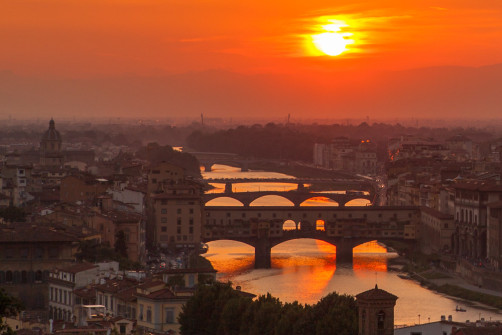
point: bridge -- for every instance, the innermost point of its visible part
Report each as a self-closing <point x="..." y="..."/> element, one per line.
<point x="208" y="159"/>
<point x="344" y="227"/>
<point x="296" y="197"/>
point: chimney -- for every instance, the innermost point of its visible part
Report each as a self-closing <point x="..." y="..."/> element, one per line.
<point x="450" y="318"/>
<point x="443" y="318"/>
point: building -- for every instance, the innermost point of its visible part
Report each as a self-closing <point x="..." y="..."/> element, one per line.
<point x="160" y="303"/>
<point x="82" y="188"/>
<point x="494" y="235"/>
<point x="62" y="284"/>
<point x="376" y="312"/>
<point x="162" y="175"/>
<point x="28" y="252"/>
<point x="51" y="147"/>
<point x="178" y="216"/>
<point x="471" y="217"/>
<point x="437" y="231"/>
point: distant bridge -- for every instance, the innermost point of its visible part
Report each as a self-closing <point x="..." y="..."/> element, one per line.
<point x="345" y="227"/>
<point x="296" y="197"/>
<point x="208" y="159"/>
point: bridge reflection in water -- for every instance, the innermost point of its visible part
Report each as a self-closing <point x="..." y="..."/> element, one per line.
<point x="294" y="262"/>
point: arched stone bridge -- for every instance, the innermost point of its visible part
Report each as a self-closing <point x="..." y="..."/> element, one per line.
<point x="345" y="227"/>
<point x="296" y="197"/>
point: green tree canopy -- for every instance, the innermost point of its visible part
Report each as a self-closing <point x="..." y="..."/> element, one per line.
<point x="219" y="309"/>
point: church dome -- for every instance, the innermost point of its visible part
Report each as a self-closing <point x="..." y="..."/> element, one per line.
<point x="51" y="134"/>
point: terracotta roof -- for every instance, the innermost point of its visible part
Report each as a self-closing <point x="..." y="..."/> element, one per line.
<point x="478" y="186"/>
<point x="117" y="285"/>
<point x="128" y="294"/>
<point x="151" y="283"/>
<point x="165" y="293"/>
<point x="20" y="232"/>
<point x="376" y="294"/>
<point x="86" y="292"/>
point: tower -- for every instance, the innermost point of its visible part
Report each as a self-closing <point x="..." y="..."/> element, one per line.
<point x="376" y="312"/>
<point x="50" y="147"/>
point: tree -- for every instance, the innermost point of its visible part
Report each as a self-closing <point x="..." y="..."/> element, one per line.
<point x="9" y="306"/>
<point x="336" y="314"/>
<point x="121" y="243"/>
<point x="202" y="313"/>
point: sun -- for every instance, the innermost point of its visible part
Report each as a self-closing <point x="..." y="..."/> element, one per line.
<point x="333" y="41"/>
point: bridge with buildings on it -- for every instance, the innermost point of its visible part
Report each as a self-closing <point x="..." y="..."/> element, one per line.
<point x="345" y="227"/>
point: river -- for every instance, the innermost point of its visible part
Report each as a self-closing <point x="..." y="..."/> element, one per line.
<point x="305" y="270"/>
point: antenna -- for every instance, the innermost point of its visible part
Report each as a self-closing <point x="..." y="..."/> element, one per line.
<point x="202" y="118"/>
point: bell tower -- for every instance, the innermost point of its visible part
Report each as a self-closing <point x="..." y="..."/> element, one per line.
<point x="376" y="312"/>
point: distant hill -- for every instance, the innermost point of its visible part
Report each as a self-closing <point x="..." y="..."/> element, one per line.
<point x="437" y="92"/>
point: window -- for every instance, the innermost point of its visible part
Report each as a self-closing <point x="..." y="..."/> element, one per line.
<point x="148" y="314"/>
<point x="163" y="211"/>
<point x="178" y="211"/>
<point x="178" y="221"/>
<point x="191" y="210"/>
<point x="381" y="320"/>
<point x="178" y="230"/>
<point x="163" y="220"/>
<point x="140" y="316"/>
<point x="169" y="315"/>
<point x="190" y="230"/>
<point x="39" y="252"/>
<point x="163" y="202"/>
<point x="190" y="221"/>
<point x="163" y="229"/>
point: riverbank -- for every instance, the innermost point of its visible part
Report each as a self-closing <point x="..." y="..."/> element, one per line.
<point x="423" y="270"/>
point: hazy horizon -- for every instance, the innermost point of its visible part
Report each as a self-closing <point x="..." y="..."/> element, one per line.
<point x="168" y="59"/>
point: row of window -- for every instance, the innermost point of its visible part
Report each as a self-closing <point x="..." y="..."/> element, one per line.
<point x="178" y="211"/>
<point x="61" y="296"/>
<point x="23" y="277"/>
<point x="25" y="253"/>
<point x="168" y="314"/>
<point x="178" y="221"/>
<point x="305" y="215"/>
<point x="163" y="229"/>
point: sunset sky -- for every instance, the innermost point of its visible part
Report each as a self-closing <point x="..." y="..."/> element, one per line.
<point x="165" y="58"/>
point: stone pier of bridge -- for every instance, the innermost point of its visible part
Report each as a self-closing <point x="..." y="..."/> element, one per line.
<point x="263" y="248"/>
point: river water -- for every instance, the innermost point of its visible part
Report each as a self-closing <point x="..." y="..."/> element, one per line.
<point x="305" y="270"/>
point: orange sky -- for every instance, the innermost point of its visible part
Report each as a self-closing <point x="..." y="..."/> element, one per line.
<point x="106" y="38"/>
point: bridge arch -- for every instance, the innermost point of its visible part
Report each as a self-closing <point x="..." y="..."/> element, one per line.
<point x="272" y="200"/>
<point x="358" y="202"/>
<point x="230" y="239"/>
<point x="320" y="201"/>
<point x="224" y="201"/>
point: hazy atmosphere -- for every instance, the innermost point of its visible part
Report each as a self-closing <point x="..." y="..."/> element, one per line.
<point x="314" y="59"/>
